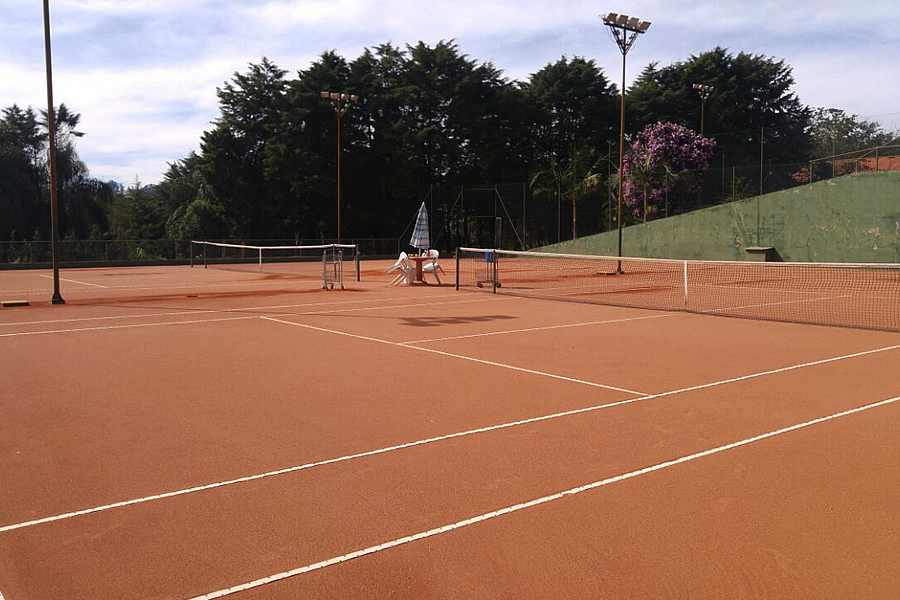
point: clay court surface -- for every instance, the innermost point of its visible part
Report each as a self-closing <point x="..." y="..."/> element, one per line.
<point x="195" y="433"/>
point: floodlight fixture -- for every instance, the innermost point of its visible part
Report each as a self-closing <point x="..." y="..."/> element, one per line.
<point x="341" y="103"/>
<point x="633" y="24"/>
<point x="625" y="29"/>
<point x="704" y="91"/>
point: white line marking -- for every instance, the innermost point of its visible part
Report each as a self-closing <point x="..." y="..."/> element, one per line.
<point x="192" y="286"/>
<point x="131" y="326"/>
<point x="545" y="328"/>
<point x="243" y="309"/>
<point x="714" y="311"/>
<point x="459" y="356"/>
<point x="431" y="440"/>
<point x="393" y="306"/>
<point x="76" y="281"/>
<point x="531" y="503"/>
<point x="110" y="318"/>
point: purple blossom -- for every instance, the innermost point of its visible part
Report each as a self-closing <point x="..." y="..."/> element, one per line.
<point x="659" y="154"/>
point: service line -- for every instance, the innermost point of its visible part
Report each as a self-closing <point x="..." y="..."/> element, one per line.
<point x="531" y="503"/>
<point x="422" y="442"/>
<point x="458" y="356"/>
<point x="543" y="328"/>
<point x="76" y="281"/>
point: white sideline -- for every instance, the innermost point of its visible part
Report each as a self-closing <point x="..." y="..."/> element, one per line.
<point x="535" y="502"/>
<point x="130" y="326"/>
<point x="246" y="309"/>
<point x="422" y="442"/>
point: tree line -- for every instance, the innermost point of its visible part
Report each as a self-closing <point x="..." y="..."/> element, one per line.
<point x="426" y="116"/>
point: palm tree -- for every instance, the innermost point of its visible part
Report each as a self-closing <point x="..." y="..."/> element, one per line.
<point x="65" y="122"/>
<point x="573" y="177"/>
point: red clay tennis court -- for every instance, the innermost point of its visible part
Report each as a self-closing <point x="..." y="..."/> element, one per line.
<point x="204" y="433"/>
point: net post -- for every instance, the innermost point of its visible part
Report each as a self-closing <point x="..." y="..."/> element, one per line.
<point x="685" y="283"/>
<point x="457" y="268"/>
<point x="356" y="260"/>
<point x="494" y="270"/>
<point x="190" y="253"/>
<point x="205" y="262"/>
<point x="260" y="259"/>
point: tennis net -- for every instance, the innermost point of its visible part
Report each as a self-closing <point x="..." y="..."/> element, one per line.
<point x="865" y="296"/>
<point x="324" y="262"/>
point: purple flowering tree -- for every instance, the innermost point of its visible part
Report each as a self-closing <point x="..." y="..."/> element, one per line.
<point x="662" y="156"/>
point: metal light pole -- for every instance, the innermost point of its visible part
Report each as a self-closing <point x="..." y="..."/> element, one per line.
<point x="625" y="29"/>
<point x="51" y="140"/>
<point x="341" y="103"/>
<point x="834" y="113"/>
<point x="704" y="91"/>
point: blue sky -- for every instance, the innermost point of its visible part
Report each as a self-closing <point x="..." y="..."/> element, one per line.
<point x="143" y="74"/>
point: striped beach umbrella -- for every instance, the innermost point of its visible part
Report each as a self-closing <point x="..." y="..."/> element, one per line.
<point x="420" y="238"/>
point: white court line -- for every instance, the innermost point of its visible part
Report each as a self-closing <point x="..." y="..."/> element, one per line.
<point x="535" y="502"/>
<point x="713" y="311"/>
<point x="191" y="286"/>
<point x="75" y="281"/>
<point x="459" y="356"/>
<point x="425" y="304"/>
<point x="431" y="440"/>
<point x="130" y="326"/>
<point x="575" y="292"/>
<point x="544" y="328"/>
<point x="245" y="309"/>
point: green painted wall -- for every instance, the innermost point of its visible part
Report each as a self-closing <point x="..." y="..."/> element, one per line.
<point x="854" y="218"/>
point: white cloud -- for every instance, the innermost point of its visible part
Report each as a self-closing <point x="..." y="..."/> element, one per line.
<point x="281" y="16"/>
<point x="144" y="74"/>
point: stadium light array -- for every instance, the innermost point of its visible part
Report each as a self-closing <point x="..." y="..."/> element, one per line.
<point x="704" y="91"/>
<point x="625" y="30"/>
<point x="341" y="103"/>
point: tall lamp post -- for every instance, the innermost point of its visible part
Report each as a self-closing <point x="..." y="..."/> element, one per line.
<point x="51" y="141"/>
<point x="625" y="29"/>
<point x="704" y="91"/>
<point x="341" y="103"/>
<point x="834" y="115"/>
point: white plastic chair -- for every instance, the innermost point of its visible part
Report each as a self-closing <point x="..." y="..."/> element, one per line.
<point x="432" y="265"/>
<point x="403" y="268"/>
